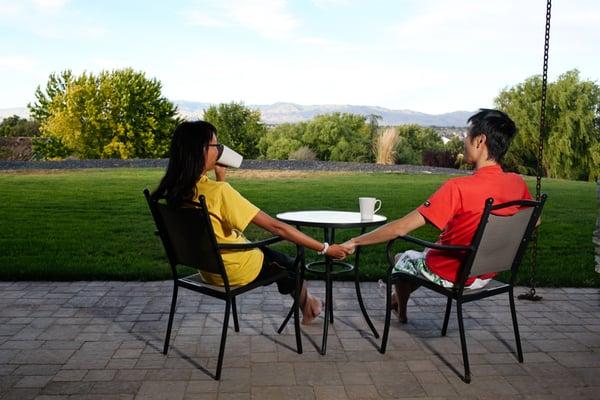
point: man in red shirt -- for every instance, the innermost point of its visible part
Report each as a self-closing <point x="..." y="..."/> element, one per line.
<point x="455" y="208"/>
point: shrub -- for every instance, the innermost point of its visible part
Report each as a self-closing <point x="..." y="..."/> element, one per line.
<point x="303" y="153"/>
<point x="385" y="146"/>
<point x="439" y="158"/>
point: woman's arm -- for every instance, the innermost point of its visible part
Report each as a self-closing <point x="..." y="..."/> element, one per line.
<point x="292" y="234"/>
<point x="389" y="231"/>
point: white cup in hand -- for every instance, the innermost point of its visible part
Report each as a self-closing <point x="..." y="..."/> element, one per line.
<point x="368" y="207"/>
<point x="230" y="158"/>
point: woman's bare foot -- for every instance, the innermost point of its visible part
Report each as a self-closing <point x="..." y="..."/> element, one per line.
<point x="311" y="310"/>
<point x="310" y="306"/>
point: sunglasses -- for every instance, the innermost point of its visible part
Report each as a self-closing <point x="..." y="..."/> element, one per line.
<point x="219" y="146"/>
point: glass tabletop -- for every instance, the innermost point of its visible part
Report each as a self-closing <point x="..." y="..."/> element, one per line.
<point x="329" y="219"/>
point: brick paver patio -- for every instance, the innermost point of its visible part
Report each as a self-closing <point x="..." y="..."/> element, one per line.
<point x="103" y="340"/>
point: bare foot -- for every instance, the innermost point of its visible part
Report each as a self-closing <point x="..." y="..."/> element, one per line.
<point x="311" y="309"/>
<point x="399" y="301"/>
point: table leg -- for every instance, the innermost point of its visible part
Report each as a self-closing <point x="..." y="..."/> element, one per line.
<point x="331" y="241"/>
<point x="357" y="286"/>
<point x="328" y="298"/>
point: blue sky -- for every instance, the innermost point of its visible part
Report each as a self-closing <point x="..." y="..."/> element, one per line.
<point x="430" y="56"/>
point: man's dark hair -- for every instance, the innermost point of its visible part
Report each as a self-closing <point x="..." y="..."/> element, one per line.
<point x="498" y="128"/>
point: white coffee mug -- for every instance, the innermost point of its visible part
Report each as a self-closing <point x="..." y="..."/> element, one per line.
<point x="368" y="207"/>
<point x="230" y="158"/>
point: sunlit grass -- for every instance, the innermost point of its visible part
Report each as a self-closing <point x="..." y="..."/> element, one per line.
<point x="94" y="224"/>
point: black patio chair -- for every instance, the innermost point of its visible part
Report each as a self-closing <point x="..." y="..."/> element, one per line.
<point x="498" y="245"/>
<point x="189" y="240"/>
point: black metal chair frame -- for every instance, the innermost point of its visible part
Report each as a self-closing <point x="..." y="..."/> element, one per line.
<point x="458" y="292"/>
<point x="200" y="255"/>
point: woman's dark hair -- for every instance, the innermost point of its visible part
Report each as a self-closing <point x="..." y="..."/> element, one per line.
<point x="497" y="127"/>
<point x="186" y="162"/>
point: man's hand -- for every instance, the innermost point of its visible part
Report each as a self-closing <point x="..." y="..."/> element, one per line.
<point x="349" y="246"/>
<point x="220" y="172"/>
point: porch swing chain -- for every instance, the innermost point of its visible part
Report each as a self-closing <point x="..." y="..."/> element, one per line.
<point x="531" y="294"/>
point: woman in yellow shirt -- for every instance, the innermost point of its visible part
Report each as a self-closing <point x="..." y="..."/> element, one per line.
<point x="194" y="151"/>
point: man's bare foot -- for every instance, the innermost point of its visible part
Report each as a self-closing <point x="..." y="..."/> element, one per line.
<point x="399" y="302"/>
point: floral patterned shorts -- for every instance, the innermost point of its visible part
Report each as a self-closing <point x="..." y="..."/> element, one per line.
<point x="413" y="262"/>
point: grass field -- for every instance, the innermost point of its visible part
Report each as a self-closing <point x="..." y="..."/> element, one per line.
<point x="94" y="224"/>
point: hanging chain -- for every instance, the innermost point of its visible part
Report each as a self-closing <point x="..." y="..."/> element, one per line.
<point x="538" y="186"/>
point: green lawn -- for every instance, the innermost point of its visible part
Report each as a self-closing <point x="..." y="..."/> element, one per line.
<point x="94" y="224"/>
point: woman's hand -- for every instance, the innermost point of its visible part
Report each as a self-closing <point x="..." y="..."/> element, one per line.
<point x="336" y="251"/>
<point x="220" y="172"/>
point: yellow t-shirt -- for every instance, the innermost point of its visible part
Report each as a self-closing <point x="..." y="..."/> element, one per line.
<point x="230" y="213"/>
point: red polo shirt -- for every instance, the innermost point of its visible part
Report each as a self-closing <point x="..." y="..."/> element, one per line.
<point x="456" y="208"/>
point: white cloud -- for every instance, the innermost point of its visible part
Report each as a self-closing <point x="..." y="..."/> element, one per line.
<point x="50" y="19"/>
<point x="325" y="4"/>
<point x="469" y="26"/>
<point x="17" y="63"/>
<point x="49" y="5"/>
<point x="200" y="18"/>
<point x="269" y="18"/>
<point x="10" y="8"/>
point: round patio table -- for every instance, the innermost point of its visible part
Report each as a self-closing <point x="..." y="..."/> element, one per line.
<point x="329" y="221"/>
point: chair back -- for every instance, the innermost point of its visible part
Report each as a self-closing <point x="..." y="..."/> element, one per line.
<point x="187" y="236"/>
<point x="500" y="240"/>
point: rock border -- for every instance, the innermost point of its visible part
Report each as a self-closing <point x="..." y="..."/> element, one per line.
<point x="289" y="165"/>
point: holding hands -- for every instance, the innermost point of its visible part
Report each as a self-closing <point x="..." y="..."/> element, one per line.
<point x="337" y="252"/>
<point x="349" y="246"/>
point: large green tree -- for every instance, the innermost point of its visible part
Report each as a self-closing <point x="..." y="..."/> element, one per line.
<point x="339" y="137"/>
<point x="238" y="126"/>
<point x="115" y="114"/>
<point x="572" y="140"/>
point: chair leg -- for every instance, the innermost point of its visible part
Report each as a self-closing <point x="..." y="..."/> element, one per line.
<point x="296" y="308"/>
<point x="287" y="318"/>
<point x="360" y="299"/>
<point x="513" y="313"/>
<point x="447" y="316"/>
<point x="171" y="315"/>
<point x="223" y="340"/>
<point x="463" y="342"/>
<point x="236" y="325"/>
<point x="388" y="315"/>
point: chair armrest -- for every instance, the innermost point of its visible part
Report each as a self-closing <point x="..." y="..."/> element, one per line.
<point x="250" y="245"/>
<point x="423" y="243"/>
<point x="436" y="246"/>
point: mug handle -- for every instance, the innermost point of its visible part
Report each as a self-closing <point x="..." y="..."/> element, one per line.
<point x="377" y="207"/>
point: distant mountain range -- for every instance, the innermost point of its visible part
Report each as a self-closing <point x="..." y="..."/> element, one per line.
<point x="279" y="113"/>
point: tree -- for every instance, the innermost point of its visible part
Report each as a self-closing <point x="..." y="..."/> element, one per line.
<point x="281" y="141"/>
<point x="16" y="126"/>
<point x="114" y="114"/>
<point x="414" y="139"/>
<point x="572" y="140"/>
<point x="238" y="127"/>
<point x="339" y="137"/>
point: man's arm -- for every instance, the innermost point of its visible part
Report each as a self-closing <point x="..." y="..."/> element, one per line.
<point x="389" y="231"/>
